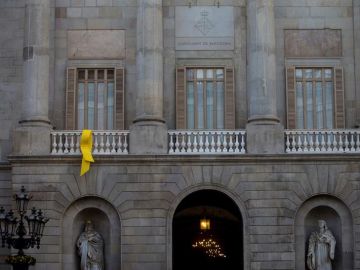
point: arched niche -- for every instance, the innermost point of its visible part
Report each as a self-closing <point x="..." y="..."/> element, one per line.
<point x="227" y="228"/>
<point x="106" y="222"/>
<point x="338" y="219"/>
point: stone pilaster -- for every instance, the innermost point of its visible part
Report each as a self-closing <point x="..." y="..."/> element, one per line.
<point x="148" y="134"/>
<point x="264" y="133"/>
<point x="356" y="12"/>
<point x="33" y="134"/>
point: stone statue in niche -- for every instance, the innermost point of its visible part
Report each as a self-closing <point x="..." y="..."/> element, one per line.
<point x="321" y="248"/>
<point x="91" y="248"/>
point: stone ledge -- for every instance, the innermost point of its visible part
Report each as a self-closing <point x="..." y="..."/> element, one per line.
<point x="198" y="159"/>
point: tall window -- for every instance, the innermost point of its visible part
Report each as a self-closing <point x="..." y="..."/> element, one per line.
<point x="205" y="98"/>
<point x="314" y="98"/>
<point x="95" y="99"/>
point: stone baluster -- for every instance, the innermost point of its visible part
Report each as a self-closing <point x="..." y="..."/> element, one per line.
<point x="125" y="144"/>
<point x="113" y="142"/>
<point x="54" y="144"/>
<point x="171" y="143"/>
<point x="242" y="142"/>
<point x="183" y="142"/>
<point x="189" y="149"/>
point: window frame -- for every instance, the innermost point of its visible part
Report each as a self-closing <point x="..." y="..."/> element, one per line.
<point x="72" y="84"/>
<point x="205" y="81"/>
<point x="313" y="80"/>
<point x="181" y="91"/>
<point x="338" y="88"/>
<point x="96" y="81"/>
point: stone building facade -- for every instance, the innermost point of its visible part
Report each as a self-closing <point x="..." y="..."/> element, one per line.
<point x="243" y="111"/>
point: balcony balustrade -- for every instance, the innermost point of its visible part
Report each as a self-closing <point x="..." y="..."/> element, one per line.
<point x="211" y="142"/>
<point x="104" y="142"/>
<point x="217" y="142"/>
<point x="322" y="141"/>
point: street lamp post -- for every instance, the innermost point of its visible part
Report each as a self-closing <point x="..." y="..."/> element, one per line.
<point x="14" y="233"/>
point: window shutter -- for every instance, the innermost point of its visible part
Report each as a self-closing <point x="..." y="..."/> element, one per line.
<point x="229" y="99"/>
<point x="180" y="98"/>
<point x="70" y="98"/>
<point x="339" y="98"/>
<point x="290" y="97"/>
<point x="119" y="96"/>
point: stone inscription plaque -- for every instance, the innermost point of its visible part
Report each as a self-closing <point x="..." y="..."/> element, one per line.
<point x="96" y="44"/>
<point x="204" y="28"/>
<point x="313" y="43"/>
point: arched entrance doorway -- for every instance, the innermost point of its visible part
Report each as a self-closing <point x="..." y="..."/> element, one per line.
<point x="207" y="232"/>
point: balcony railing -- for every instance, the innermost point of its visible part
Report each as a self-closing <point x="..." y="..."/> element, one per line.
<point x="322" y="141"/>
<point x="216" y="142"/>
<point x="211" y="142"/>
<point x="104" y="142"/>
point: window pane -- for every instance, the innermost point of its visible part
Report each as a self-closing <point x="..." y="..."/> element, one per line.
<point x="219" y="74"/>
<point x="91" y="106"/>
<point x="209" y="73"/>
<point x="299" y="106"/>
<point x="317" y="73"/>
<point x="319" y="106"/>
<point x="209" y="105"/>
<point x="101" y="74"/>
<point x="110" y="74"/>
<point x="190" y="74"/>
<point x="91" y="74"/>
<point x="309" y="106"/>
<point x="81" y="74"/>
<point x="308" y="73"/>
<point x="329" y="105"/>
<point x="328" y="73"/>
<point x="200" y="74"/>
<point x="299" y="74"/>
<point x="220" y="105"/>
<point x="200" y="104"/>
<point x="110" y="106"/>
<point x="101" y="106"/>
<point x="190" y="113"/>
<point x="80" y="107"/>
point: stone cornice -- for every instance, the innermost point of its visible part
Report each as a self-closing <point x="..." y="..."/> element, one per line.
<point x="189" y="159"/>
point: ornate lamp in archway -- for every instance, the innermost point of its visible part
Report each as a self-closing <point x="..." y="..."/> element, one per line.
<point x="206" y="242"/>
<point x="204" y="224"/>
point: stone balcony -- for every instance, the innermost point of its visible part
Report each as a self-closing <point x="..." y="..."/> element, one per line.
<point x="208" y="142"/>
<point x="211" y="142"/>
<point x="104" y="142"/>
<point x="322" y="141"/>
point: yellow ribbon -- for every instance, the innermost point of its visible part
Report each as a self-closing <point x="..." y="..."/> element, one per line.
<point x="86" y="149"/>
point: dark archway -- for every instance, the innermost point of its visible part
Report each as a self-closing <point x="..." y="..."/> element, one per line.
<point x="226" y="229"/>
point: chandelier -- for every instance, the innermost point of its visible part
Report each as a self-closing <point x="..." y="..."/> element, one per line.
<point x="207" y="242"/>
